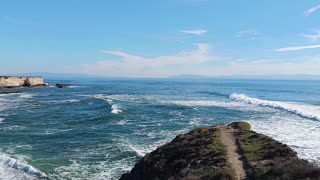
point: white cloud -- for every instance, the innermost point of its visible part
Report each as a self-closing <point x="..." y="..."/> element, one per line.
<point x="129" y="65"/>
<point x="248" y="34"/>
<point x="267" y="67"/>
<point x="313" y="37"/>
<point x="198" y="61"/>
<point x="297" y="48"/>
<point x="194" y="31"/>
<point x="311" y="10"/>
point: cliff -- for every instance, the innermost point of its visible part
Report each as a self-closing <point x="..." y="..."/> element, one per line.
<point x="223" y="152"/>
<point x="14" y="81"/>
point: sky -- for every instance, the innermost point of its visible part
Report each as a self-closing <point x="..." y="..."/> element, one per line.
<point x="160" y="38"/>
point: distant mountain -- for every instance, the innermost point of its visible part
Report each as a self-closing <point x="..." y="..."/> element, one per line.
<point x="190" y="76"/>
<point x="56" y="76"/>
<point x="262" y="77"/>
<point x="277" y="77"/>
<point x="67" y="76"/>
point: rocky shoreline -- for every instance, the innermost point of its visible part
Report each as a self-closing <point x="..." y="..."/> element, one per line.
<point x="21" y="81"/>
<point x="223" y="152"/>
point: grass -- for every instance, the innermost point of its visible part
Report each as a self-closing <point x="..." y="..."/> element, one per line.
<point x="251" y="146"/>
<point x="243" y="126"/>
<point x="269" y="159"/>
<point x="198" y="154"/>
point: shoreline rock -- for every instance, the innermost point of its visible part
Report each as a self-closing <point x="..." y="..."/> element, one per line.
<point x="63" y="85"/>
<point x="209" y="153"/>
<point x="21" y="81"/>
<point x="11" y="92"/>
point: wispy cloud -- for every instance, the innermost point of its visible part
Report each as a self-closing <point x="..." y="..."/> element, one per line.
<point x="248" y="34"/>
<point x="130" y="65"/>
<point x="313" y="37"/>
<point x="268" y="67"/>
<point x="311" y="10"/>
<point x="194" y="31"/>
<point x="297" y="48"/>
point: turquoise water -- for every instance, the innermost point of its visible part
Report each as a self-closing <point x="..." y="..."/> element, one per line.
<point x="98" y="129"/>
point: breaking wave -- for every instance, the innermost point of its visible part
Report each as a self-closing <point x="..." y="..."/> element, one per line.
<point x="300" y="134"/>
<point x="115" y="109"/>
<point x="14" y="169"/>
<point x="302" y="110"/>
<point x="26" y="96"/>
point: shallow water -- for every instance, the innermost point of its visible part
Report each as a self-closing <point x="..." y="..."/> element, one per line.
<point x="99" y="128"/>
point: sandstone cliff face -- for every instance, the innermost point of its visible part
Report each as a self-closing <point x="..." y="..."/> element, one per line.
<point x="223" y="152"/>
<point x="12" y="81"/>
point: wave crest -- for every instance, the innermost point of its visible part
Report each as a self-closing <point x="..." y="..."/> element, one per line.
<point x="12" y="168"/>
<point x="302" y="110"/>
<point x="115" y="109"/>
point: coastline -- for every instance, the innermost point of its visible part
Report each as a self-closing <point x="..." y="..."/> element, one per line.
<point x="22" y="81"/>
<point x="223" y="152"/>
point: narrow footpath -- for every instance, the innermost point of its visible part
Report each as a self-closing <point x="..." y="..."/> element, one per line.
<point x="228" y="140"/>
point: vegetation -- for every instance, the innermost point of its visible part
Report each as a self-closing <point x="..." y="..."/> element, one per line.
<point x="198" y="154"/>
<point x="268" y="159"/>
<point x="243" y="126"/>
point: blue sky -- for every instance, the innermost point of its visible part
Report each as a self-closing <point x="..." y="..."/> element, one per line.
<point x="160" y="38"/>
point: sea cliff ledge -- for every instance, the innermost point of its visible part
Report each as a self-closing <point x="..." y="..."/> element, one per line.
<point x="21" y="81"/>
<point x="223" y="152"/>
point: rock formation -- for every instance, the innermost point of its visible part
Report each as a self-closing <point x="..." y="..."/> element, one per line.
<point x="63" y="85"/>
<point x="14" y="81"/>
<point x="223" y="152"/>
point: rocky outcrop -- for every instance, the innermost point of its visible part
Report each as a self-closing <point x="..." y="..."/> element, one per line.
<point x="223" y="152"/>
<point x="14" y="81"/>
<point x="63" y="85"/>
<point x="11" y="92"/>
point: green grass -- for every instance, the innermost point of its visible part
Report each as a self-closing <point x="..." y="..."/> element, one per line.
<point x="243" y="126"/>
<point x="269" y="159"/>
<point x="217" y="146"/>
<point x="251" y="146"/>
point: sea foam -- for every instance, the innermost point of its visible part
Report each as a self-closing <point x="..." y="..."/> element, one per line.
<point x="26" y="96"/>
<point x="300" y="134"/>
<point x="11" y="168"/>
<point x="115" y="109"/>
<point x="302" y="110"/>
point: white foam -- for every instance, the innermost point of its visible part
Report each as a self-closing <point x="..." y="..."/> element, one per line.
<point x="303" y="110"/>
<point x="122" y="122"/>
<point x="26" y="96"/>
<point x="302" y="135"/>
<point x="109" y="101"/>
<point x="202" y="103"/>
<point x="14" y="127"/>
<point x="108" y="169"/>
<point x="71" y="100"/>
<point x="141" y="151"/>
<point x="115" y="109"/>
<point x="7" y="173"/>
<point x="14" y="169"/>
<point x="1" y="120"/>
<point x="193" y="103"/>
<point x="195" y="121"/>
<point x="64" y="101"/>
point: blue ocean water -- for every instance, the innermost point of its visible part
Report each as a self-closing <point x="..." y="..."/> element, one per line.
<point x="98" y="129"/>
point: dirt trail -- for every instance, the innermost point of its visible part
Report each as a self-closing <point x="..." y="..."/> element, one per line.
<point x="228" y="140"/>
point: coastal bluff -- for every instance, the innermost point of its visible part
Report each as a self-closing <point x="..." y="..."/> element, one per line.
<point x="21" y="81"/>
<point x="223" y="152"/>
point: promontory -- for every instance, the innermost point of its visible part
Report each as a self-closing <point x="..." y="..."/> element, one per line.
<point x="21" y="81"/>
<point x="223" y="152"/>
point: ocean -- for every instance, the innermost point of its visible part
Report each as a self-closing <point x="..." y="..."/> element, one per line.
<point x="99" y="128"/>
